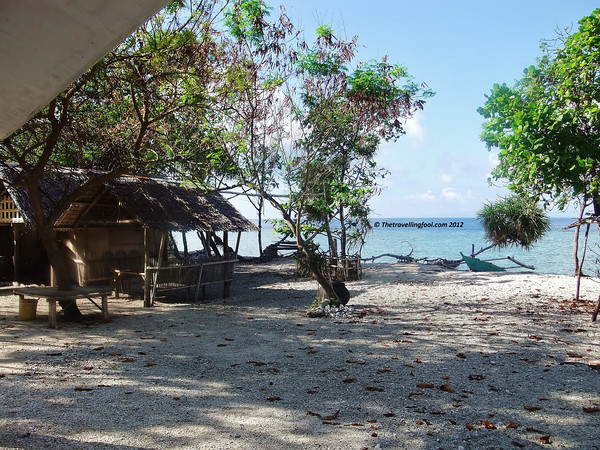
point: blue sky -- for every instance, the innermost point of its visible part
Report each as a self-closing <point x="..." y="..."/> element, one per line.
<point x="460" y="49"/>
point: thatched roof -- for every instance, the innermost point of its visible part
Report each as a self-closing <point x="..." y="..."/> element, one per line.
<point x="152" y="202"/>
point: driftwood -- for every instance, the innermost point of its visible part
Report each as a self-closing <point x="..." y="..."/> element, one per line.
<point x="400" y="258"/>
<point x="448" y="263"/>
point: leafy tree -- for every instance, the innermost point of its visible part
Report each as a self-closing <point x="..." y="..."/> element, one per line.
<point x="254" y="111"/>
<point x="325" y="153"/>
<point x="547" y="126"/>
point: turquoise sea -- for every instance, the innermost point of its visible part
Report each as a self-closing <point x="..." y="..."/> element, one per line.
<point x="446" y="238"/>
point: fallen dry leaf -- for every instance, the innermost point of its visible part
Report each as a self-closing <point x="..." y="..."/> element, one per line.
<point x="514" y="425"/>
<point x="83" y="389"/>
<point x="447" y="388"/>
<point x="257" y="363"/>
<point x="487" y="424"/>
<point x="425" y="386"/>
<point x="590" y="409"/>
<point x="532" y="408"/>
<point x="273" y="399"/>
<point x="476" y="377"/>
<point x="348" y="380"/>
<point x="331" y="416"/>
<point x="545" y="439"/>
<point x="374" y="389"/>
<point x="518" y="444"/>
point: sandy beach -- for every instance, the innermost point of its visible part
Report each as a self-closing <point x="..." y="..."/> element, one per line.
<point x="429" y="359"/>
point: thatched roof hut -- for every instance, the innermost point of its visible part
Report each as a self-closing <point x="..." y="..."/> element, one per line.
<point x="153" y="202"/>
<point x="120" y="225"/>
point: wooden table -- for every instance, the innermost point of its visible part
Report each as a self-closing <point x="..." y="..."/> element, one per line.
<point x="52" y="295"/>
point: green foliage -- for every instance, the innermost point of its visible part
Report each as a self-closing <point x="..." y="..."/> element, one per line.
<point x="547" y="126"/>
<point x="513" y="221"/>
<point x="324" y="32"/>
<point x="315" y="64"/>
<point x="247" y="20"/>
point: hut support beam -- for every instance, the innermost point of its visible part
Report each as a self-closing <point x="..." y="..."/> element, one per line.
<point x="16" y="261"/>
<point x="159" y="263"/>
<point x="237" y="244"/>
<point x="146" y="264"/>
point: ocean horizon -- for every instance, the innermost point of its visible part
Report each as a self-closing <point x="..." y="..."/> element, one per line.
<point x="447" y="237"/>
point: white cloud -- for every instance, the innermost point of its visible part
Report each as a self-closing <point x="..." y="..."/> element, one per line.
<point x="446" y="178"/>
<point x="425" y="196"/>
<point x="415" y="130"/>
<point x="452" y="195"/>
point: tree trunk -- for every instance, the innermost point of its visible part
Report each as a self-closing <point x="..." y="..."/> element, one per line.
<point x="261" y="202"/>
<point x="342" y="235"/>
<point x="306" y="251"/>
<point x="55" y="252"/>
<point x="62" y="273"/>
<point x="332" y="243"/>
<point x="576" y="239"/>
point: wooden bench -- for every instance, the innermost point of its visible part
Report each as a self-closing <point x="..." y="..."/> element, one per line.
<point x="52" y="295"/>
<point x="191" y="276"/>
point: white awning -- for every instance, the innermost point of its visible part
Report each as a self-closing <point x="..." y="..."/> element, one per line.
<point x="46" y="44"/>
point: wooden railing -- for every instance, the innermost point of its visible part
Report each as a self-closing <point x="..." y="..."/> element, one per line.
<point x="191" y="276"/>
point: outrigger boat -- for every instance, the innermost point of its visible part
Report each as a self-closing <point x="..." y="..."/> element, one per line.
<point x="478" y="265"/>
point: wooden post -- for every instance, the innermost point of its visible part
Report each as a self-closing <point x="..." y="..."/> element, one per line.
<point x="146" y="274"/>
<point x="52" y="312"/>
<point x="198" y="281"/>
<point x="580" y="269"/>
<point x="16" y="261"/>
<point x="105" y="306"/>
<point x="237" y="244"/>
<point x="227" y="289"/>
<point x="226" y="244"/>
<point x="163" y="239"/>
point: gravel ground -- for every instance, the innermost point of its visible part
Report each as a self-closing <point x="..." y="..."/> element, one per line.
<point x="429" y="359"/>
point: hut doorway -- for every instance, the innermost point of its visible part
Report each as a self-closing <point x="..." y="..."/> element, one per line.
<point x="7" y="269"/>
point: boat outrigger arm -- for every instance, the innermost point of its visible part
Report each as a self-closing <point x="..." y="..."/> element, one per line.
<point x="478" y="265"/>
<point x="510" y="258"/>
